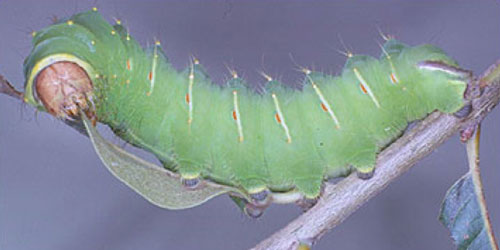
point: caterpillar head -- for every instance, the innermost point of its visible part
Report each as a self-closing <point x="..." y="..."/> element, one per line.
<point x="64" y="88"/>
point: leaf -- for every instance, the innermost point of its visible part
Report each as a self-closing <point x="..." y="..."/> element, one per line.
<point x="460" y="213"/>
<point x="158" y="185"/>
<point x="463" y="210"/>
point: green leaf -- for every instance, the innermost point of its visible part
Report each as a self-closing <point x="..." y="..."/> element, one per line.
<point x="461" y="214"/>
<point x="158" y="185"/>
<point x="464" y="210"/>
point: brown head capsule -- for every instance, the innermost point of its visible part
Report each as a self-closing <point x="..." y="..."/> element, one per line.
<point x="64" y="89"/>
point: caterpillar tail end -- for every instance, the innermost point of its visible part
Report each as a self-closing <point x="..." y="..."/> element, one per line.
<point x="64" y="88"/>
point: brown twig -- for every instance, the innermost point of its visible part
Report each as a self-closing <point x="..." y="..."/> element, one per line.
<point x="8" y="89"/>
<point x="342" y="199"/>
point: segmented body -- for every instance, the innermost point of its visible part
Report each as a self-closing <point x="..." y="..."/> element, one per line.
<point x="280" y="140"/>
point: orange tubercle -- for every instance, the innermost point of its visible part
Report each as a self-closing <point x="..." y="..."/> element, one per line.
<point x="393" y="78"/>
<point x="278" y="118"/>
<point x="324" y="107"/>
<point x="363" y="88"/>
<point x="235" y="116"/>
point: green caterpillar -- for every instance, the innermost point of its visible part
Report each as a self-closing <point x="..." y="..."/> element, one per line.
<point x="281" y="141"/>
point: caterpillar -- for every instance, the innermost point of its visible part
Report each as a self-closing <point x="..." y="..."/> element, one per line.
<point x="52" y="183"/>
<point x="280" y="141"/>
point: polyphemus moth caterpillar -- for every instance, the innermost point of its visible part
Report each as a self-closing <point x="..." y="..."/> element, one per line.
<point x="280" y="141"/>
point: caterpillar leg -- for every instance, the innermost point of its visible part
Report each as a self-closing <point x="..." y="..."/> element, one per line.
<point x="191" y="183"/>
<point x="463" y="112"/>
<point x="248" y="208"/>
<point x="305" y="204"/>
<point x="259" y="196"/>
<point x="364" y="163"/>
<point x="254" y="182"/>
<point x="310" y="187"/>
<point x="365" y="172"/>
<point x="190" y="175"/>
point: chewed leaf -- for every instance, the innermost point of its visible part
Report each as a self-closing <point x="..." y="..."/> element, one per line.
<point x="158" y="185"/>
<point x="461" y="214"/>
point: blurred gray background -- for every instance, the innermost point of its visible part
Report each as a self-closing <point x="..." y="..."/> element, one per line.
<point x="55" y="193"/>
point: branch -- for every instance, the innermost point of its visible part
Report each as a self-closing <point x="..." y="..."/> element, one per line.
<point x="342" y="199"/>
<point x="6" y="88"/>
